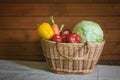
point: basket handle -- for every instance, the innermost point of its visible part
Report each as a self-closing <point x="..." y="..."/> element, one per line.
<point x="73" y="58"/>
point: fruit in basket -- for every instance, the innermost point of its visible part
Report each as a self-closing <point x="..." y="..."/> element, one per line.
<point x="74" y="38"/>
<point x="57" y="38"/>
<point x="89" y="31"/>
<point x="64" y="34"/>
<point x="45" y="31"/>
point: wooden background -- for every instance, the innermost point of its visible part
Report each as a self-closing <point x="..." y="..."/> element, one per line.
<point x="18" y="20"/>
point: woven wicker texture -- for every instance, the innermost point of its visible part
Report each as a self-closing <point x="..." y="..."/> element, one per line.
<point x="71" y="57"/>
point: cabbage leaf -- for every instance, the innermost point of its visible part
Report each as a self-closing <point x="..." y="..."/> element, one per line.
<point x="89" y="31"/>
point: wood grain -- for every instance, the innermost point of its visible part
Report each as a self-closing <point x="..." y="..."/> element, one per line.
<point x="109" y="62"/>
<point x="69" y="22"/>
<point x="32" y="36"/>
<point x="20" y="49"/>
<point x="58" y="1"/>
<point x="35" y="49"/>
<point x="61" y="9"/>
<point x="19" y="36"/>
<point x="41" y="58"/>
<point x="111" y="48"/>
<point x="110" y="57"/>
<point x="18" y="20"/>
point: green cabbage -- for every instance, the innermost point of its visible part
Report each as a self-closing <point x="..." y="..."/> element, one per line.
<point x="89" y="31"/>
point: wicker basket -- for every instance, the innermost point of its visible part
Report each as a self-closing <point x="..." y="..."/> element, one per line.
<point x="71" y="57"/>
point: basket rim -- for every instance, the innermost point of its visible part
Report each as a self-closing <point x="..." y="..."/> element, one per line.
<point x="62" y="43"/>
<point x="81" y="44"/>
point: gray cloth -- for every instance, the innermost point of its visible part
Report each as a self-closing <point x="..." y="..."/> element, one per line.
<point x="12" y="70"/>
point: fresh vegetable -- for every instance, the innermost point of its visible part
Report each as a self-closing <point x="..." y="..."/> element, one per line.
<point x="74" y="38"/>
<point x="64" y="34"/>
<point x="61" y="27"/>
<point x="57" y="38"/>
<point x="45" y="31"/>
<point x="54" y="26"/>
<point x="89" y="31"/>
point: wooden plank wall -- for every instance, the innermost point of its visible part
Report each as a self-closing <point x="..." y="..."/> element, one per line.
<point x="18" y="20"/>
